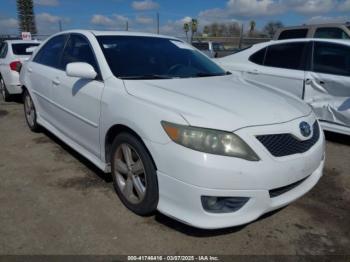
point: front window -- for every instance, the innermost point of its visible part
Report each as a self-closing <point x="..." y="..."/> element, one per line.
<point x="21" y="49"/>
<point x="139" y="57"/>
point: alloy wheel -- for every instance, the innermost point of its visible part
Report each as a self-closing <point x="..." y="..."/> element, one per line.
<point x="130" y="173"/>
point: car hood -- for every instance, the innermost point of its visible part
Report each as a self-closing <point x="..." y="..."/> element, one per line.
<point x="223" y="102"/>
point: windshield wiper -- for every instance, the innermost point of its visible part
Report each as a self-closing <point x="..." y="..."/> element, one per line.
<point x="202" y="74"/>
<point x="145" y="77"/>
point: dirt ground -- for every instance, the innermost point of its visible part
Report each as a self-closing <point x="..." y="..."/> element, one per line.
<point x="52" y="201"/>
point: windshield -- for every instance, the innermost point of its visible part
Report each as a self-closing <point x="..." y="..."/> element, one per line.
<point x="139" y="57"/>
<point x="20" y="49"/>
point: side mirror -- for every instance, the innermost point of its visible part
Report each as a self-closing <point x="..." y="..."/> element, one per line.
<point x="31" y="49"/>
<point x="81" y="70"/>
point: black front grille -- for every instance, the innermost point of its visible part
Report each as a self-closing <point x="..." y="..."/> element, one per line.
<point x="281" y="190"/>
<point x="286" y="144"/>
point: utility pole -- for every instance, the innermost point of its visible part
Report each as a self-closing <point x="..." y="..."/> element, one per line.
<point x="157" y="23"/>
<point x="127" y="26"/>
<point x="241" y="37"/>
<point x="60" y="25"/>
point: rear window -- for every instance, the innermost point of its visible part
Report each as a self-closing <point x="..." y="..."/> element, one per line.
<point x="258" y="57"/>
<point x="20" y="49"/>
<point x="293" y="33"/>
<point x="201" y="46"/>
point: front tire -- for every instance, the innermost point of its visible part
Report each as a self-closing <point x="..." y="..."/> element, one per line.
<point x="3" y="90"/>
<point x="30" y="112"/>
<point x="134" y="175"/>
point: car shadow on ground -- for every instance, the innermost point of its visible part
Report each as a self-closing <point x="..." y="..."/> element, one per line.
<point x="197" y="232"/>
<point x="94" y="169"/>
<point x="337" y="138"/>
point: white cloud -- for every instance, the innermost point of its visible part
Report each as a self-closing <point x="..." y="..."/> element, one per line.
<point x="254" y="7"/>
<point x="312" y="6"/>
<point x="47" y="2"/>
<point x="259" y="8"/>
<point x="327" y="19"/>
<point x="112" y="22"/>
<point x="144" y="5"/>
<point x="8" y="25"/>
<point x="47" y="18"/>
<point x="101" y="20"/>
<point x="144" y="20"/>
<point x="48" y="23"/>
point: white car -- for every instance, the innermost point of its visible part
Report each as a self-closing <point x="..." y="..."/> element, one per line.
<point x="176" y="131"/>
<point x="12" y="54"/>
<point x="315" y="70"/>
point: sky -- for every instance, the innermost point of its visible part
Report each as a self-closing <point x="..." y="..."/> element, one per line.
<point x="141" y="14"/>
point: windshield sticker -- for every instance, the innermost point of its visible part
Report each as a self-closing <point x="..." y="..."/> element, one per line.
<point x="182" y="45"/>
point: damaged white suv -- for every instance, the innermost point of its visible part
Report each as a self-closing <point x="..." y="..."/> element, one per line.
<point x="315" y="70"/>
<point x="177" y="132"/>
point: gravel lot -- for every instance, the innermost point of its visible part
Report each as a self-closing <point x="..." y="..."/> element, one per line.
<point x="52" y="201"/>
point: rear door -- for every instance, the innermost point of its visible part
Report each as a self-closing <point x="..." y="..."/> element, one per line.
<point x="78" y="100"/>
<point x="327" y="87"/>
<point x="280" y="66"/>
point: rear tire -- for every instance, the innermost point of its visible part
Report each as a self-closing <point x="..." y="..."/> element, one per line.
<point x="30" y="112"/>
<point x="134" y="175"/>
<point x="3" y="90"/>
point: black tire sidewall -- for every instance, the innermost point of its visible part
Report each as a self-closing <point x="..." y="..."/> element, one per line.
<point x="35" y="127"/>
<point x="7" y="94"/>
<point x="150" y="201"/>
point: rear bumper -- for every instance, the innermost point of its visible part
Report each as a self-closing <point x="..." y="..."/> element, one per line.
<point x="12" y="82"/>
<point x="182" y="201"/>
<point x="14" y="89"/>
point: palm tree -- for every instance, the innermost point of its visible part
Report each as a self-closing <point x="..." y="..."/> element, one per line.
<point x="194" y="27"/>
<point x="186" y="29"/>
<point x="252" y="25"/>
<point x="271" y="27"/>
<point x="26" y="16"/>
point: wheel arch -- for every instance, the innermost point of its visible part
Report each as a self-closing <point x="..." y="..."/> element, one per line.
<point x="115" y="130"/>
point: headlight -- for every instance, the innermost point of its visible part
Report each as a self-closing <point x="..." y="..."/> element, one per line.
<point x="209" y="141"/>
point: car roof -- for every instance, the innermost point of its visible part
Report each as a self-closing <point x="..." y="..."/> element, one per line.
<point x="22" y="41"/>
<point x="116" y="33"/>
<point x="314" y="25"/>
<point x="329" y="40"/>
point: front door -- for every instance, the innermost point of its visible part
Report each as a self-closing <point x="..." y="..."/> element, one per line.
<point x="78" y="100"/>
<point x="327" y="87"/>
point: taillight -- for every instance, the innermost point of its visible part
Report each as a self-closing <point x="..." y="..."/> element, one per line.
<point x="16" y="66"/>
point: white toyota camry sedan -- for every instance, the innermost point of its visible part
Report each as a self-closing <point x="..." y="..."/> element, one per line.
<point x="178" y="133"/>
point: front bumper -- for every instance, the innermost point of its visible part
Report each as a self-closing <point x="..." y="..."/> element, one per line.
<point x="185" y="175"/>
<point x="182" y="202"/>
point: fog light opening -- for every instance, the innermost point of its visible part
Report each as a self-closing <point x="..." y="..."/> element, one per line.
<point x="214" y="204"/>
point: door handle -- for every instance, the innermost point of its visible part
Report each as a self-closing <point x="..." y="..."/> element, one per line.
<point x="56" y="82"/>
<point x="253" y="72"/>
<point x="308" y="81"/>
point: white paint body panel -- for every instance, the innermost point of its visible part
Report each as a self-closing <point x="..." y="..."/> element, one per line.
<point x="80" y="112"/>
<point x="11" y="78"/>
<point x="330" y="102"/>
